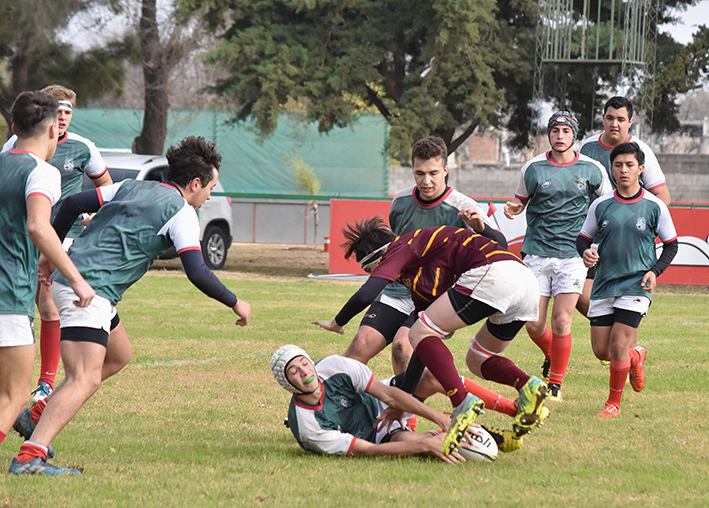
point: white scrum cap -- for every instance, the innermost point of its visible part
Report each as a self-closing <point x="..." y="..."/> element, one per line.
<point x="280" y="361"/>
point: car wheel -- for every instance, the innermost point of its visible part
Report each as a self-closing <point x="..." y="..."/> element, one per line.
<point x="214" y="248"/>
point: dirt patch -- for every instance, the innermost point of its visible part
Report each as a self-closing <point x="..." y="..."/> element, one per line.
<point x="268" y="259"/>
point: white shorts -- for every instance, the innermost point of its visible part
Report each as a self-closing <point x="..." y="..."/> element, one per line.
<point x="97" y="315"/>
<point x="380" y="410"/>
<point x="508" y="286"/>
<point x="16" y="330"/>
<point x="605" y="306"/>
<point x="557" y="275"/>
<point x="403" y="305"/>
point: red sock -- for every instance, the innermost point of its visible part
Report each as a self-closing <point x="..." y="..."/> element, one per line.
<point x="544" y="342"/>
<point x="36" y="411"/>
<point x="2" y="436"/>
<point x="560" y="354"/>
<point x="504" y="371"/>
<point x="30" y="451"/>
<point x="49" y="336"/>
<point x="492" y="400"/>
<point x="619" y="374"/>
<point x="438" y="359"/>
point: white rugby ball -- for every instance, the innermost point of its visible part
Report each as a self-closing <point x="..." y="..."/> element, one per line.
<point x="481" y="448"/>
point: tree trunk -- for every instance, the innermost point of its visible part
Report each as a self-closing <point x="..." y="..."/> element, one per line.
<point x="151" y="140"/>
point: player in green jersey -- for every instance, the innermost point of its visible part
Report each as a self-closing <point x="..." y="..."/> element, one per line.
<point x="556" y="188"/>
<point x="624" y="223"/>
<point x="28" y="188"/>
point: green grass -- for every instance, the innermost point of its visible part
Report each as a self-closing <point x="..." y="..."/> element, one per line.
<point x="196" y="417"/>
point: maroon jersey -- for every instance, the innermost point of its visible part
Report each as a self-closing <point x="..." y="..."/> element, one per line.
<point x="429" y="261"/>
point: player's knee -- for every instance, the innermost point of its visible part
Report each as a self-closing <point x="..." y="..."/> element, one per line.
<point x="474" y="360"/>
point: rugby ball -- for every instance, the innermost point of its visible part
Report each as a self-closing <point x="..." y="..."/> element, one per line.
<point x="482" y="448"/>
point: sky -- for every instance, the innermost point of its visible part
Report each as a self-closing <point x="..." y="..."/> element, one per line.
<point x="690" y="19"/>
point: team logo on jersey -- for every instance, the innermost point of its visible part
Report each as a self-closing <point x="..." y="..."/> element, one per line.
<point x="68" y="164"/>
<point x="603" y="224"/>
<point x="546" y="184"/>
<point x="641" y="224"/>
<point x="577" y="284"/>
<point x="344" y="402"/>
<point x="582" y="183"/>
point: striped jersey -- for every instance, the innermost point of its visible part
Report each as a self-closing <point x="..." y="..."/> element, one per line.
<point x="345" y="412"/>
<point x="74" y="156"/>
<point x="138" y="221"/>
<point x="408" y="213"/>
<point x="429" y="261"/>
<point x="557" y="197"/>
<point x="22" y="174"/>
<point x="625" y="230"/>
<point x="651" y="177"/>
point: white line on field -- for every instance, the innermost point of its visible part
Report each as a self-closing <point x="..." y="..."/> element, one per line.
<point x="151" y="364"/>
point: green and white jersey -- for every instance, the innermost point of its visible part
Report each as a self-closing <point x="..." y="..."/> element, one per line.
<point x="138" y="221"/>
<point x="557" y="198"/>
<point x="22" y="174"/>
<point x="74" y="156"/>
<point x="345" y="413"/>
<point x="409" y="213"/>
<point x="625" y="230"/>
<point x="651" y="177"/>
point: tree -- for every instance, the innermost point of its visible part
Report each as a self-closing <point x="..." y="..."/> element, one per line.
<point x="34" y="57"/>
<point x="159" y="61"/>
<point x="332" y="55"/>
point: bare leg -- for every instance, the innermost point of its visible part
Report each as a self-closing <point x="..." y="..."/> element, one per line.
<point x="15" y="378"/>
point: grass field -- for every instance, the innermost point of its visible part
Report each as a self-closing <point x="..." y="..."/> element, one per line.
<point x="196" y="417"/>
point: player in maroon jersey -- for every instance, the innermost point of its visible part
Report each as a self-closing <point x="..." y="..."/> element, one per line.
<point x="459" y="277"/>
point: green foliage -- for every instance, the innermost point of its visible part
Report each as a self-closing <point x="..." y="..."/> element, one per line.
<point x="304" y="174"/>
<point x="333" y="52"/>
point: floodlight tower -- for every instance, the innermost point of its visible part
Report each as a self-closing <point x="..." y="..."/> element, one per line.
<point x="604" y="33"/>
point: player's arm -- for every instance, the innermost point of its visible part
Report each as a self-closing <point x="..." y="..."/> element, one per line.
<point x="663" y="193"/>
<point x="39" y="210"/>
<point x="585" y="239"/>
<point x="670" y="245"/>
<point x="475" y="218"/>
<point x="417" y="444"/>
<point x="204" y="279"/>
<point x="399" y="399"/>
<point x="81" y="202"/>
<point x="356" y="304"/>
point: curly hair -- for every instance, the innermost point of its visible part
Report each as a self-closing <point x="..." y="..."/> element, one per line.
<point x="366" y="236"/>
<point x="429" y="148"/>
<point x="32" y="112"/>
<point x="194" y="157"/>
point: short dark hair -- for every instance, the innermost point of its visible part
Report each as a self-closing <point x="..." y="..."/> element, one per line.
<point x="366" y="236"/>
<point x="429" y="148"/>
<point x="32" y="112"/>
<point x="632" y="148"/>
<point x="194" y="157"/>
<point x="619" y="102"/>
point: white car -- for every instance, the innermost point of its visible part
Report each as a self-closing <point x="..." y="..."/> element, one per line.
<point x="215" y="220"/>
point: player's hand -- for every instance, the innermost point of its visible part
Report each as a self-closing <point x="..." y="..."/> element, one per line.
<point x="388" y="417"/>
<point x="243" y="310"/>
<point x="512" y="209"/>
<point x="435" y="445"/>
<point x="590" y="257"/>
<point x="473" y="218"/>
<point x="85" y="293"/>
<point x="45" y="271"/>
<point x="87" y="218"/>
<point x="649" y="282"/>
<point x="330" y="326"/>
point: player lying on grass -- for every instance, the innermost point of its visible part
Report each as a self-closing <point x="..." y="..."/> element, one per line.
<point x="625" y="223"/>
<point x="459" y="278"/>
<point x="135" y="222"/>
<point x="338" y="406"/>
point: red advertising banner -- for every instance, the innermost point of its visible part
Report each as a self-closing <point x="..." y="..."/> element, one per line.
<point x="690" y="266"/>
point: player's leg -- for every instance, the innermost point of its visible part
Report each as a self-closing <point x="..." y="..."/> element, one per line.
<point x="484" y="360"/>
<point x="542" y="335"/>
<point x="118" y="350"/>
<point x="49" y="335"/>
<point x="15" y="378"/>
<point x="377" y="329"/>
<point x="401" y="349"/>
<point x="561" y="315"/>
<point x="585" y="296"/>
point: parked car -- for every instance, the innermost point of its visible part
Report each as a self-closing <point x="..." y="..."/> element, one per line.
<point x="215" y="221"/>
